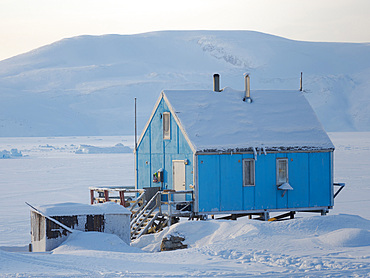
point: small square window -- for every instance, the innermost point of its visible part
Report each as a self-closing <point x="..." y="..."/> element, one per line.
<point x="248" y="172"/>
<point x="281" y="171"/>
<point x="166" y="126"/>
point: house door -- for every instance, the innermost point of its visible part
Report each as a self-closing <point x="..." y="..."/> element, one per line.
<point x="178" y="174"/>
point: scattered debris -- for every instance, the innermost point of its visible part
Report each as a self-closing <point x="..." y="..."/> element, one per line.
<point x="173" y="242"/>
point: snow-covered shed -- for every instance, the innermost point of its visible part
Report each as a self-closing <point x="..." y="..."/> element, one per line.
<point x="265" y="153"/>
<point x="107" y="217"/>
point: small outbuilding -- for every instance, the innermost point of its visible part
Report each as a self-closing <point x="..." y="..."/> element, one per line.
<point x="241" y="152"/>
<point x="107" y="217"/>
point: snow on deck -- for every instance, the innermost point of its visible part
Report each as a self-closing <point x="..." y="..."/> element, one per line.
<point x="64" y="209"/>
<point x="221" y="121"/>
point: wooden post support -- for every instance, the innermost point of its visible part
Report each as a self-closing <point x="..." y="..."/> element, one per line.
<point x="122" y="198"/>
<point x="159" y="202"/>
<point x="91" y="196"/>
<point x="106" y="195"/>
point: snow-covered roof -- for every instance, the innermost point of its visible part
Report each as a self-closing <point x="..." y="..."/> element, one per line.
<point x="64" y="209"/>
<point x="222" y="121"/>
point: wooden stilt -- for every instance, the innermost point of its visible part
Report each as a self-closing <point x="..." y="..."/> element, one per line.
<point x="122" y="198"/>
<point x="91" y="197"/>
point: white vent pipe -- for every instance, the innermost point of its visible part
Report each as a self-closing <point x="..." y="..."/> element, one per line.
<point x="247" y="97"/>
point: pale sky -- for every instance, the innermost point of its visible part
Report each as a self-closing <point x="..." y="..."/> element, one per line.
<point x="28" y="24"/>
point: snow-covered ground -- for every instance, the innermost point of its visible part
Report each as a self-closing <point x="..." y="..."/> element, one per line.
<point x="50" y="171"/>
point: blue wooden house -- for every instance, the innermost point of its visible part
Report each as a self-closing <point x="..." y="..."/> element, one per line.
<point x="242" y="152"/>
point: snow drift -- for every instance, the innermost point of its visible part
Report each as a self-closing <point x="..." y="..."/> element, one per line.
<point x="94" y="241"/>
<point x="217" y="248"/>
<point x="86" y="85"/>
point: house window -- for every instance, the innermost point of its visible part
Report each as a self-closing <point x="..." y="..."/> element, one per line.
<point x="281" y="170"/>
<point x="166" y="126"/>
<point x="248" y="172"/>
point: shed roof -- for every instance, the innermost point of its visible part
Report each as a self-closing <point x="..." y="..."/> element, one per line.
<point x="222" y="121"/>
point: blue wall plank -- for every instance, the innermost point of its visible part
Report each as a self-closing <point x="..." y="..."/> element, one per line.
<point x="320" y="179"/>
<point x="144" y="145"/>
<point x="248" y="191"/>
<point x="157" y="163"/>
<point x="281" y="201"/>
<point x="157" y="130"/>
<point x="143" y="170"/>
<point x="209" y="183"/>
<point x="231" y="173"/>
<point x="183" y="144"/>
<point x="299" y="180"/>
<point x="171" y="146"/>
<point x="266" y="189"/>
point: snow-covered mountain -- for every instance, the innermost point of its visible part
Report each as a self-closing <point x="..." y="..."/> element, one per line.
<point x="86" y="85"/>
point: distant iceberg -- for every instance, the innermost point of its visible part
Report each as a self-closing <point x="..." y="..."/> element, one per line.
<point x="88" y="149"/>
<point x="10" y="154"/>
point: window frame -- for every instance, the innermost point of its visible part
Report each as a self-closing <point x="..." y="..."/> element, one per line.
<point x="253" y="172"/>
<point x="166" y="135"/>
<point x="278" y="183"/>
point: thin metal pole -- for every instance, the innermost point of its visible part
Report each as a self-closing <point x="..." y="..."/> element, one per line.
<point x="135" y="127"/>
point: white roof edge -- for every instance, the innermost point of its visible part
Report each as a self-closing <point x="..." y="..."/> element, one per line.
<point x="267" y="150"/>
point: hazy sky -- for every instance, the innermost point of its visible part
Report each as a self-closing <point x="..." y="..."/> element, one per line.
<point x="28" y="24"/>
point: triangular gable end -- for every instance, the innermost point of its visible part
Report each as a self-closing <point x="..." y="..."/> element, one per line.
<point x="177" y="120"/>
<point x="163" y="96"/>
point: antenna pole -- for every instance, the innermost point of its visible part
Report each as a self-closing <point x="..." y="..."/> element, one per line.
<point x="135" y="127"/>
<point x="301" y="87"/>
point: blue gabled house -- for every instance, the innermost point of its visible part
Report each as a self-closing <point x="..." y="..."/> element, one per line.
<point x="240" y="151"/>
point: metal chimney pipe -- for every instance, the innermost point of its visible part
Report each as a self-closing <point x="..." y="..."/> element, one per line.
<point x="247" y="97"/>
<point x="216" y="82"/>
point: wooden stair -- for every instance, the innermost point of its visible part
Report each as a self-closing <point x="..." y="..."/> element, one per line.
<point x="148" y="218"/>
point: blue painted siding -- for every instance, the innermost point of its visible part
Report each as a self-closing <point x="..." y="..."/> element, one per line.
<point x="156" y="164"/>
<point x="209" y="183"/>
<point x="248" y="191"/>
<point x="299" y="180"/>
<point x="143" y="170"/>
<point x="145" y="142"/>
<point x="220" y="179"/>
<point x="266" y="189"/>
<point x="154" y="153"/>
<point x="231" y="185"/>
<point x="320" y="179"/>
<point x="331" y="173"/>
<point x="281" y="201"/>
<point x="157" y="131"/>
